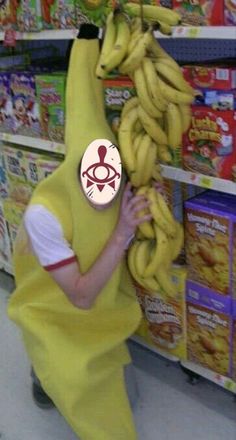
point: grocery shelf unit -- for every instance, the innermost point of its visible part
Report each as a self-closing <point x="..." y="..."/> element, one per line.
<point x="187" y="43"/>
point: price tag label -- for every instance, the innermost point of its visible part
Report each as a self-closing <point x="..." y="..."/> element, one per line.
<point x="206" y="182"/>
<point x="28" y="36"/>
<point x="193" y="32"/>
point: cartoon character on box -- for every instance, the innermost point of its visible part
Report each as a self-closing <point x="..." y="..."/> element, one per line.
<point x="25" y="113"/>
<point x="5" y="112"/>
<point x="230" y="12"/>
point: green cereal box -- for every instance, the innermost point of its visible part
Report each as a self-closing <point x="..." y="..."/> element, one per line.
<point x="51" y="98"/>
<point x="58" y="14"/>
<point x="29" y="17"/>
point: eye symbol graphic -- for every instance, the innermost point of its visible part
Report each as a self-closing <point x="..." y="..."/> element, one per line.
<point x="101" y="173"/>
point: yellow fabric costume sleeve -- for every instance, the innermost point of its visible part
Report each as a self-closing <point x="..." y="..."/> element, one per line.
<point x="79" y="355"/>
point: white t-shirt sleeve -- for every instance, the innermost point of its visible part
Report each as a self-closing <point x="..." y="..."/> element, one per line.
<point x="47" y="240"/>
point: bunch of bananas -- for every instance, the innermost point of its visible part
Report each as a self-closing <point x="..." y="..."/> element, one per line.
<point x="151" y="129"/>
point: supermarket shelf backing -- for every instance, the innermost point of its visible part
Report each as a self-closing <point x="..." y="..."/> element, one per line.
<point x="201" y="32"/>
<point x="37" y="143"/>
<point x="150" y="347"/>
<point x="218" y="379"/>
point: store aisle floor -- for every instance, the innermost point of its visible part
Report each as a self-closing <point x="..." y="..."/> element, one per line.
<point x="169" y="408"/>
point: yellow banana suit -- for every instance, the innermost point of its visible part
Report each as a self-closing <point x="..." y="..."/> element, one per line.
<point x="79" y="355"/>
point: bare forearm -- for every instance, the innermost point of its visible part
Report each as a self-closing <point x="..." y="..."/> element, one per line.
<point x="89" y="285"/>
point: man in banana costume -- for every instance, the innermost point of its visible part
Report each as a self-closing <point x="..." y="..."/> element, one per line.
<point x="76" y="317"/>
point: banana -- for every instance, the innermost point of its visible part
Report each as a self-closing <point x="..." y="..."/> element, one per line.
<point x="138" y="128"/>
<point x="153" y="13"/>
<point x="163" y="276"/>
<point x="142" y="255"/>
<point x="164" y="28"/>
<point x="142" y="159"/>
<point x="168" y="61"/>
<point x="174" y="126"/>
<point x="108" y="43"/>
<point x="161" y="247"/>
<point x="134" y="59"/>
<point x="149" y="164"/>
<point x="130" y="104"/>
<point x="125" y="139"/>
<point x="118" y="52"/>
<point x="163" y="154"/>
<point x="152" y="84"/>
<point x="173" y="95"/>
<point x="156" y="171"/>
<point x="164" y="208"/>
<point x="152" y="127"/>
<point x="136" y="141"/>
<point x="173" y="77"/>
<point x="142" y="92"/>
<point x="145" y="228"/>
<point x="158" y="216"/>
<point x="186" y="115"/>
<point x="177" y="242"/>
<point x="149" y="284"/>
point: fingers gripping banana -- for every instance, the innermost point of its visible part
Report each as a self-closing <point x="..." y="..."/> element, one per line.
<point x="174" y="126"/>
<point x="152" y="127"/>
<point x="158" y="216"/>
<point x="108" y="43"/>
<point x="125" y="139"/>
<point x="142" y="92"/>
<point x="119" y="50"/>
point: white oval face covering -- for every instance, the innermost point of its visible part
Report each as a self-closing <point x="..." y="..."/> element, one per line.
<point x="100" y="172"/>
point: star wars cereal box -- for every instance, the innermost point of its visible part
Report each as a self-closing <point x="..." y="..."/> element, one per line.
<point x="5" y="103"/>
<point x="230" y="12"/>
<point x="51" y="99"/>
<point x="13" y="213"/>
<point x="165" y="317"/>
<point x="29" y="16"/>
<point x="25" y="119"/>
<point x="210" y="77"/>
<point x="7" y="13"/>
<point x="209" y="228"/>
<point x="200" y="12"/>
<point x="234" y="343"/>
<point x="117" y="91"/>
<point x="208" y="329"/>
<point x="4" y="190"/>
<point x="19" y="188"/>
<point x="58" y="14"/>
<point x="5" y="249"/>
<point x="209" y="145"/>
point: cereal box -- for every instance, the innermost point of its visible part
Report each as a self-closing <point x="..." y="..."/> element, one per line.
<point x="58" y="14"/>
<point x="234" y="343"/>
<point x="209" y="238"/>
<point x="25" y="119"/>
<point x="5" y="249"/>
<point x="7" y="13"/>
<point x="209" y="146"/>
<point x="210" y="77"/>
<point x="13" y="212"/>
<point x="5" y="103"/>
<point x="165" y="317"/>
<point x="47" y="165"/>
<point x="208" y="329"/>
<point x="230" y="12"/>
<point x="117" y="91"/>
<point x="19" y="188"/>
<point x="4" y="190"/>
<point x="51" y="99"/>
<point x="200" y="12"/>
<point x="29" y="16"/>
<point x="39" y="166"/>
<point x="217" y="99"/>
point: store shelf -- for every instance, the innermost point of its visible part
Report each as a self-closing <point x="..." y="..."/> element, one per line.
<point x="40" y="144"/>
<point x="199" y="179"/>
<point x="162" y="353"/>
<point x="6" y="267"/>
<point x="222" y="381"/>
<point x="201" y="32"/>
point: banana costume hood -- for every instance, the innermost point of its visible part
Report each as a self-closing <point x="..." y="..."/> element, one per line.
<point x="79" y="355"/>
